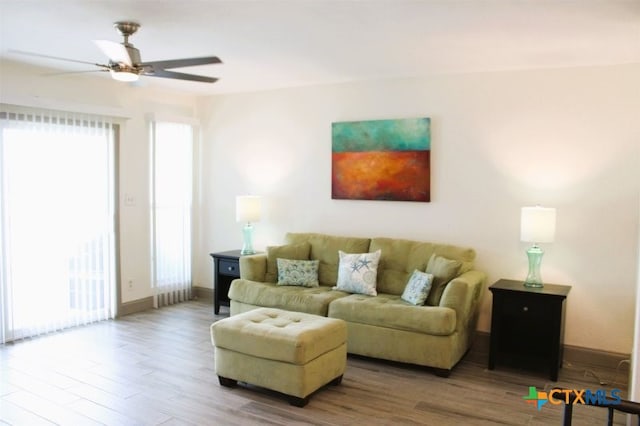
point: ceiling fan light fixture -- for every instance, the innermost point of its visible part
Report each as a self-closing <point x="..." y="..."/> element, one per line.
<point x="126" y="76"/>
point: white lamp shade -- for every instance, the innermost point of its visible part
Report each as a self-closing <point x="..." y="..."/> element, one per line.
<point x="538" y="224"/>
<point x="248" y="208"/>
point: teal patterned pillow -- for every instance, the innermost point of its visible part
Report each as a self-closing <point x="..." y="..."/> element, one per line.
<point x="417" y="288"/>
<point x="357" y="273"/>
<point x="302" y="273"/>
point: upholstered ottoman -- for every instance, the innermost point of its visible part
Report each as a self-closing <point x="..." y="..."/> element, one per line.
<point x="290" y="352"/>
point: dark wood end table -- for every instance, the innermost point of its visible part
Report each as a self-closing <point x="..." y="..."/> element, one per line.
<point x="527" y="325"/>
<point x="226" y="268"/>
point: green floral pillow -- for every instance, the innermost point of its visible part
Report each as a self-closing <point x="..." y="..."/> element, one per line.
<point x="417" y="288"/>
<point x="302" y="273"/>
<point x="357" y="273"/>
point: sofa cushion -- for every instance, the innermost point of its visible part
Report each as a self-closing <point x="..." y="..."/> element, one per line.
<point x="325" y="249"/>
<point x="357" y="272"/>
<point x="314" y="300"/>
<point x="401" y="257"/>
<point x="299" y="251"/>
<point x="298" y="272"/>
<point x="390" y="311"/>
<point x="443" y="271"/>
<point x="417" y="288"/>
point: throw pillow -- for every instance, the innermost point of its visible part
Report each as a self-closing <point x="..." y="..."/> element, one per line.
<point x="357" y="273"/>
<point x="290" y="251"/>
<point x="417" y="288"/>
<point x="302" y="273"/>
<point x="443" y="271"/>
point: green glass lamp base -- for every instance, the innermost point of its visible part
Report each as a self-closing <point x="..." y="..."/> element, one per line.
<point x="534" y="254"/>
<point x="247" y="240"/>
<point x="532" y="284"/>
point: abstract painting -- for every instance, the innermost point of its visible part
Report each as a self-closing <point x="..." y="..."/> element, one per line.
<point x="381" y="160"/>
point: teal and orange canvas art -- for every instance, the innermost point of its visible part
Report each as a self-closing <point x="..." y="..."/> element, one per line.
<point x="381" y="160"/>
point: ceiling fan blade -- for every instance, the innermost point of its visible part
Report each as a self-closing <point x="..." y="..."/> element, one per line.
<point x="116" y="52"/>
<point x="179" y="63"/>
<point x="40" y="55"/>
<point x="75" y="72"/>
<point x="181" y="76"/>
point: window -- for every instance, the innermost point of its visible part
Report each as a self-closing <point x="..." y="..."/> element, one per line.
<point x="172" y="188"/>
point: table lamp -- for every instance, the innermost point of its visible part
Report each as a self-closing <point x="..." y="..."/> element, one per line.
<point x="248" y="209"/>
<point x="537" y="225"/>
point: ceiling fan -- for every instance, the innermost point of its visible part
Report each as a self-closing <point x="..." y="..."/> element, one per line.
<point x="125" y="63"/>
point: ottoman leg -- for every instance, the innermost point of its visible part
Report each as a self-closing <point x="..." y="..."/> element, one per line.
<point x="297" y="401"/>
<point x="229" y="383"/>
<point x="336" y="381"/>
<point x="442" y="372"/>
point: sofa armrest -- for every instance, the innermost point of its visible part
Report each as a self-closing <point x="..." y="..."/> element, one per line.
<point x="254" y="267"/>
<point x="463" y="294"/>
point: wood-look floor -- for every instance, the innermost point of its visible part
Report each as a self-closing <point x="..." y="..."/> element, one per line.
<point x="157" y="368"/>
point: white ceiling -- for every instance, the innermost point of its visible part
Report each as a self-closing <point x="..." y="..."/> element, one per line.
<point x="271" y="44"/>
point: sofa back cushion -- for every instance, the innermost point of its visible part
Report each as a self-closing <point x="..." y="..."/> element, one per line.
<point x="401" y="257"/>
<point x="325" y="249"/>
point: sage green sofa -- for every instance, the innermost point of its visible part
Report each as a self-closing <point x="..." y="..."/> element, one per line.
<point x="383" y="326"/>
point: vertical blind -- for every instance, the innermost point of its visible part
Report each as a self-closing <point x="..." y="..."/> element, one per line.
<point x="57" y="221"/>
<point x="172" y="188"/>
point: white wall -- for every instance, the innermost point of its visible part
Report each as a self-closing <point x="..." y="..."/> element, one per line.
<point x="27" y="85"/>
<point x="565" y="138"/>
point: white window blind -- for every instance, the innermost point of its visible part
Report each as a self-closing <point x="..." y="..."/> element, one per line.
<point x="172" y="188"/>
<point x="57" y="221"/>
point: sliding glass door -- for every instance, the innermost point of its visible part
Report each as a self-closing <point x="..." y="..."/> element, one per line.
<point x="57" y="228"/>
